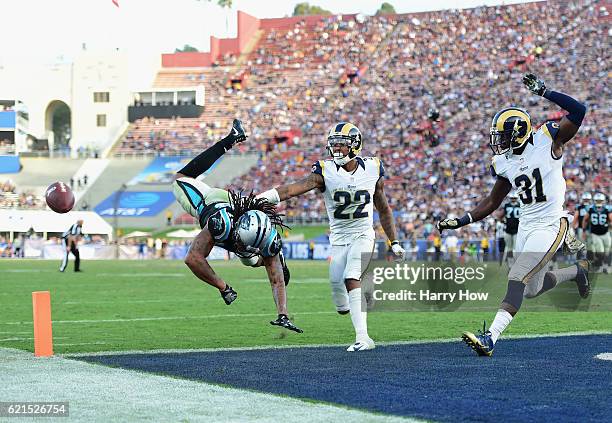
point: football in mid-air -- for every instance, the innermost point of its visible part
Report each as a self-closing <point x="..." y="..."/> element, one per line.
<point x="59" y="197"/>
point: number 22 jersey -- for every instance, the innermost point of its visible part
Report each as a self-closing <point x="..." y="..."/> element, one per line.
<point x="537" y="176"/>
<point x="349" y="197"/>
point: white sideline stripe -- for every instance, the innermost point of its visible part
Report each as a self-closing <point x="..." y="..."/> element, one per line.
<point x="27" y="339"/>
<point x="101" y="394"/>
<point x="83" y="343"/>
<point x="146" y="319"/>
<point x="604" y="356"/>
<point x="282" y="347"/>
<point x="196" y="301"/>
<point x="147" y="275"/>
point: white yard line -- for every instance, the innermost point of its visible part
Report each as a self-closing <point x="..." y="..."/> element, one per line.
<point x="101" y="394"/>
<point x="145" y="319"/>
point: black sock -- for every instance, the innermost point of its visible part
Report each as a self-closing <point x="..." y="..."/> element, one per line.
<point x="203" y="161"/>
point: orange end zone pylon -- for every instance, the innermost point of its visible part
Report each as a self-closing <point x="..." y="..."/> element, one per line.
<point x="43" y="336"/>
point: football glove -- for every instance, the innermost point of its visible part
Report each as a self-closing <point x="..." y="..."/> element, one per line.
<point x="534" y="84"/>
<point x="447" y="224"/>
<point x="397" y="249"/>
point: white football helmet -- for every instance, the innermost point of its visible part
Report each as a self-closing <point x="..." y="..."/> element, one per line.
<point x="599" y="199"/>
<point x="255" y="235"/>
<point x="586" y="197"/>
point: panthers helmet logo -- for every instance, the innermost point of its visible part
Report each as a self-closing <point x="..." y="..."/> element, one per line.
<point x="344" y="133"/>
<point x="510" y="129"/>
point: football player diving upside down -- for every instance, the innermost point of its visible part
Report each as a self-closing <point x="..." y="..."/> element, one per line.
<point x="532" y="163"/>
<point x="245" y="226"/>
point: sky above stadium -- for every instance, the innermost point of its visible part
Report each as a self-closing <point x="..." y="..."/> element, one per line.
<point x="38" y="31"/>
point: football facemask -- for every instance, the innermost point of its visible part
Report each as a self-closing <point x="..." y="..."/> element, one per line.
<point x="345" y="134"/>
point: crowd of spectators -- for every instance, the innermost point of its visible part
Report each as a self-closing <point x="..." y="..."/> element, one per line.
<point x="12" y="197"/>
<point x="384" y="73"/>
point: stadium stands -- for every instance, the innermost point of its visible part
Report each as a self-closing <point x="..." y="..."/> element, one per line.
<point x="384" y="73"/>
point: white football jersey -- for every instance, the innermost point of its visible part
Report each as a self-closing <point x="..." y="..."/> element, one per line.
<point x="349" y="197"/>
<point x="537" y="176"/>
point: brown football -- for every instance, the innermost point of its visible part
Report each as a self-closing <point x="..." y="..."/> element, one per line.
<point x="59" y="197"/>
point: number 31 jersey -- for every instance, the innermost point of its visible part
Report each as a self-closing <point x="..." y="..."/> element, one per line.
<point x="349" y="198"/>
<point x="537" y="176"/>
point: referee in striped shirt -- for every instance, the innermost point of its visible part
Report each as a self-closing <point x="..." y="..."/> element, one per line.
<point x="70" y="240"/>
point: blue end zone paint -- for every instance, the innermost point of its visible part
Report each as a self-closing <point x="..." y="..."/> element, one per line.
<point x="543" y="379"/>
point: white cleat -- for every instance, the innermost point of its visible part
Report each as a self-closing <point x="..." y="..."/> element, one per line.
<point x="362" y="345"/>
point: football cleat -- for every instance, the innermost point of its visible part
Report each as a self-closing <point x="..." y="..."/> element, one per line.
<point x="237" y="133"/>
<point x="582" y="278"/>
<point x="481" y="343"/>
<point x="286" y="273"/>
<point x="229" y="295"/>
<point x="363" y="344"/>
<point x="283" y="321"/>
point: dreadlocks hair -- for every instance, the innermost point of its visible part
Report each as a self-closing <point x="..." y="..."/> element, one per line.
<point x="241" y="204"/>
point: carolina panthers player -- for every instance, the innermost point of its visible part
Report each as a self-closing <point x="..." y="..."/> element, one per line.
<point x="511" y="213"/>
<point x="532" y="163"/>
<point x="581" y="210"/>
<point x="597" y="220"/>
<point x="242" y="225"/>
<point x="351" y="186"/>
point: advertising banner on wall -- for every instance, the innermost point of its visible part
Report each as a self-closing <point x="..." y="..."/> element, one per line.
<point x="135" y="204"/>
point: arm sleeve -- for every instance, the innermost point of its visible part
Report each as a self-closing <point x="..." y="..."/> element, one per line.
<point x="576" y="110"/>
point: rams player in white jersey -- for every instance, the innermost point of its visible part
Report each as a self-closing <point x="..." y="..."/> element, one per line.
<point x="351" y="186"/>
<point x="531" y="162"/>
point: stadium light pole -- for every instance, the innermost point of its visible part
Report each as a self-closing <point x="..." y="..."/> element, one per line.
<point x="116" y="203"/>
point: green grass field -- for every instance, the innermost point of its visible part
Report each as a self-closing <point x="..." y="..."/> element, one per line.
<point x="145" y="305"/>
<point x="309" y="231"/>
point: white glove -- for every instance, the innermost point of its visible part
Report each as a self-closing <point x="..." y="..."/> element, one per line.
<point x="271" y="196"/>
<point x="397" y="249"/>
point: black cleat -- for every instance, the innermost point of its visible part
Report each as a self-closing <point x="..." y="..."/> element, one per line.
<point x="229" y="295"/>
<point x="284" y="322"/>
<point x="582" y="279"/>
<point x="286" y="273"/>
<point x="237" y="134"/>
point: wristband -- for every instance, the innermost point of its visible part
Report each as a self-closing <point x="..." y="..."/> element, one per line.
<point x="465" y="220"/>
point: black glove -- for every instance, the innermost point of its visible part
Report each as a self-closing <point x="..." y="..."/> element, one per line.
<point x="534" y="84"/>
